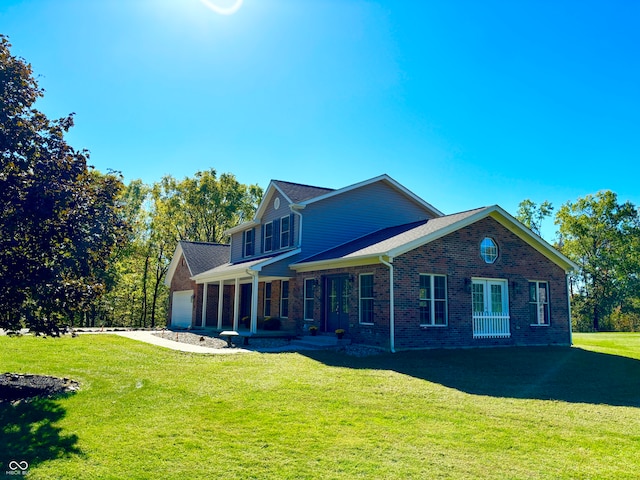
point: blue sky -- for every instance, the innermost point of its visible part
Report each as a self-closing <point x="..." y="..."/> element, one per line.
<point x="466" y="103"/>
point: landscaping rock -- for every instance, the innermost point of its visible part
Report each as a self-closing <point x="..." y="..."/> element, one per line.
<point x="15" y="387"/>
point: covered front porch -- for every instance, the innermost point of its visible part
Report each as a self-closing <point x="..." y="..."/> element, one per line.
<point x="235" y="296"/>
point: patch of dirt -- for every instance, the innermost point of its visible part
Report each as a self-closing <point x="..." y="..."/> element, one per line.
<point x="15" y="387"/>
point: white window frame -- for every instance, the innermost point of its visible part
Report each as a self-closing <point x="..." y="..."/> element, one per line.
<point x="284" y="299"/>
<point x="288" y="232"/>
<point x="489" y="250"/>
<point x="247" y="243"/>
<point x="309" y="284"/>
<point x="432" y="300"/>
<point x="265" y="236"/>
<point x="361" y="298"/>
<point x="539" y="304"/>
<point x="487" y="293"/>
<point x="268" y="288"/>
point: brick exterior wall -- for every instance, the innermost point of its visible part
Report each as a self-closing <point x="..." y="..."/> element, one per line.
<point x="456" y="256"/>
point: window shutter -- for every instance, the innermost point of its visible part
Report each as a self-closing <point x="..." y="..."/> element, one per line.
<point x="276" y="234"/>
<point x="262" y="238"/>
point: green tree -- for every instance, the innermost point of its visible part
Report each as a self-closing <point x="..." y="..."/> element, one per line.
<point x="198" y="208"/>
<point x="203" y="207"/>
<point x="59" y="220"/>
<point x="532" y="215"/>
<point x="603" y="237"/>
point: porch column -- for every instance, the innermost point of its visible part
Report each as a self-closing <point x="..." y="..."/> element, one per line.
<point x="204" y="305"/>
<point x="254" y="304"/>
<point x="220" y="305"/>
<point x="236" y="303"/>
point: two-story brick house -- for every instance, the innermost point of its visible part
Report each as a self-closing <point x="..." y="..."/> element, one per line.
<point x="388" y="268"/>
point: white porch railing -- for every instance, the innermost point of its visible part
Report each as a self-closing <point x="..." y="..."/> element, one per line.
<point x="490" y="325"/>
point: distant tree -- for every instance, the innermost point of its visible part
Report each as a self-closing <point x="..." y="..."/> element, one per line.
<point x="198" y="208"/>
<point x="532" y="215"/>
<point x="603" y="237"/>
<point x="59" y="220"/>
<point x="203" y="207"/>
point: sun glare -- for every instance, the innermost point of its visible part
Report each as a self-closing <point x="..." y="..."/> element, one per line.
<point x="223" y="10"/>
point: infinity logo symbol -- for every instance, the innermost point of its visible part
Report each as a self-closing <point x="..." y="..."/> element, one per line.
<point x="13" y="465"/>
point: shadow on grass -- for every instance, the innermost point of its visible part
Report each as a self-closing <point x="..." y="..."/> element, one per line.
<point x="544" y="373"/>
<point x="29" y="436"/>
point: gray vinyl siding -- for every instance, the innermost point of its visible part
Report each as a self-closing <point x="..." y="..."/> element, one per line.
<point x="279" y="269"/>
<point x="269" y="215"/>
<point x="236" y="246"/>
<point x="341" y="218"/>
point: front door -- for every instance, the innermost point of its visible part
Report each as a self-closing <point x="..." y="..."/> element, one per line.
<point x="337" y="302"/>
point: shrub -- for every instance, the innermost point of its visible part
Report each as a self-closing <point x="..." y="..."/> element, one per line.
<point x="272" y="323"/>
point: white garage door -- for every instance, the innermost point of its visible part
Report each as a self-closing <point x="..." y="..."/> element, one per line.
<point x="181" y="309"/>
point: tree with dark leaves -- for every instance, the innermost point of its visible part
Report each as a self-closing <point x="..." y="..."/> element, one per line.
<point x="60" y="222"/>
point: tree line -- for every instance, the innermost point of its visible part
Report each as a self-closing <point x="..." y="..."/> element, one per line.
<point x="80" y="247"/>
<point x="601" y="235"/>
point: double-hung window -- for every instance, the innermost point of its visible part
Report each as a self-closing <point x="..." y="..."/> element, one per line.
<point x="267" y="238"/>
<point x="433" y="300"/>
<point x="366" y="298"/>
<point x="309" y="283"/>
<point x="284" y="299"/>
<point x="539" y="303"/>
<point x="285" y="232"/>
<point x="267" y="299"/>
<point x="249" y="240"/>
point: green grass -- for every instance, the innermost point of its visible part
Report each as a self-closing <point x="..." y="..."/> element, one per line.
<point x="146" y="412"/>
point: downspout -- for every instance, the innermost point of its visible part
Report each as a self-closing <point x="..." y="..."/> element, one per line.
<point x="295" y="209"/>
<point x="392" y="317"/>
<point x="569" y="311"/>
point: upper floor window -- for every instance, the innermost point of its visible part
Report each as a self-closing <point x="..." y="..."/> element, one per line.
<point x="433" y="300"/>
<point x="488" y="250"/>
<point x="539" y="303"/>
<point x="285" y="232"/>
<point x="267" y="238"/>
<point x="248" y="241"/>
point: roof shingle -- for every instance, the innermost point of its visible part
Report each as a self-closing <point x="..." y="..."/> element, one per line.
<point x="298" y="192"/>
<point x="203" y="256"/>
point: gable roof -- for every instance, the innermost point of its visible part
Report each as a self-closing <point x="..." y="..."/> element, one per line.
<point x="394" y="241"/>
<point x="199" y="257"/>
<point x="384" y="179"/>
<point x="297" y="192"/>
<point x="299" y="196"/>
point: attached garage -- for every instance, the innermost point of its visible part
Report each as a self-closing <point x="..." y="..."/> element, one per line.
<point x="182" y="308"/>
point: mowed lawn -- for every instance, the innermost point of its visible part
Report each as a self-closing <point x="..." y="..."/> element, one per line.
<point x="146" y="412"/>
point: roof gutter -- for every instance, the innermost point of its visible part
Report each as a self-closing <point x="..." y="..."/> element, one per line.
<point x="392" y="317"/>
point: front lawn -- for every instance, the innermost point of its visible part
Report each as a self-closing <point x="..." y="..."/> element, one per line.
<point x="147" y="412"/>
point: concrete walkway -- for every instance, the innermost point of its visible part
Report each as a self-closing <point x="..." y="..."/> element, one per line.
<point x="148" y="337"/>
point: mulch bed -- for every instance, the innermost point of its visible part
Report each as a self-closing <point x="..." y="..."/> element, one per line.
<point x="14" y="387"/>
